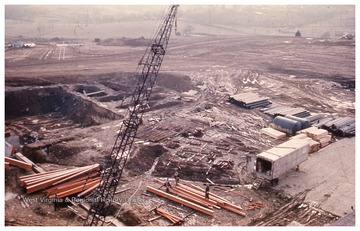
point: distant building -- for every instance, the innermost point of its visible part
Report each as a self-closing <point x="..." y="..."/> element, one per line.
<point x="28" y="45"/>
<point x="298" y="34"/>
<point x="348" y="36"/>
<point x="17" y="45"/>
<point x="20" y="44"/>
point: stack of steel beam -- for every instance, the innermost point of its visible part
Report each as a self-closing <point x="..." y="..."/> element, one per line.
<point x="249" y="100"/>
<point x="285" y="110"/>
<point x="342" y="126"/>
<point x="63" y="182"/>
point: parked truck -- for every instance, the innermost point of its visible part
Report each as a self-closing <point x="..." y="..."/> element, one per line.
<point x="273" y="163"/>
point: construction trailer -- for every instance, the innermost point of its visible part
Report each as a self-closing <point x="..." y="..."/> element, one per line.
<point x="273" y="163"/>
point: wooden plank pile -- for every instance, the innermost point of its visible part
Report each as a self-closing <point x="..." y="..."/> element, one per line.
<point x="63" y="182"/>
<point x="320" y="135"/>
<point x="314" y="146"/>
<point x="174" y="219"/>
<point x="273" y="133"/>
<point x="190" y="195"/>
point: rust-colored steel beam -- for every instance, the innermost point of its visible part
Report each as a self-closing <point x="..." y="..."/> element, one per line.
<point x="18" y="163"/>
<point x="181" y="201"/>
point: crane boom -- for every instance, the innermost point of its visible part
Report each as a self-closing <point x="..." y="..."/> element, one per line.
<point x="149" y="65"/>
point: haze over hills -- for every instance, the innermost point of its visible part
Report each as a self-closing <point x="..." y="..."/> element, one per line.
<point x="83" y="21"/>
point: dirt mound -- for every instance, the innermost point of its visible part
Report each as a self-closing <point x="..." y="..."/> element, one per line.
<point x="36" y="101"/>
<point x="12" y="180"/>
<point x="129" y="216"/>
<point x="144" y="159"/>
<point x="126" y="42"/>
<point x="179" y="83"/>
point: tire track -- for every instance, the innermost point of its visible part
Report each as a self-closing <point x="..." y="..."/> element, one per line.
<point x="47" y="53"/>
<point x="22" y="56"/>
<point x="44" y="53"/>
<point x="62" y="53"/>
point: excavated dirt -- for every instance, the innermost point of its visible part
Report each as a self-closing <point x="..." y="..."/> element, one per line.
<point x="189" y="126"/>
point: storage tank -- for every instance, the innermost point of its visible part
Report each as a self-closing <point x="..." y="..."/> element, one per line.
<point x="304" y="122"/>
<point x="287" y="125"/>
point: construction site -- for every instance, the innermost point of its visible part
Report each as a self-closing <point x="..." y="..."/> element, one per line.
<point x="232" y="130"/>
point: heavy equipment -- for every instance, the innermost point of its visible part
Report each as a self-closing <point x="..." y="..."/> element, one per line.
<point x="149" y="66"/>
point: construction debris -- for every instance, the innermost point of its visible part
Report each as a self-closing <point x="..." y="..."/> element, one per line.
<point x="253" y="205"/>
<point x="174" y="219"/>
<point x="310" y="216"/>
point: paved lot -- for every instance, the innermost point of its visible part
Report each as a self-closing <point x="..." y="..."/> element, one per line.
<point x="330" y="174"/>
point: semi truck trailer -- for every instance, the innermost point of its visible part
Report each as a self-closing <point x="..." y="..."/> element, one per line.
<point x="273" y="163"/>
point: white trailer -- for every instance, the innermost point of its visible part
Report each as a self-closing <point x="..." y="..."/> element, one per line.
<point x="273" y="163"/>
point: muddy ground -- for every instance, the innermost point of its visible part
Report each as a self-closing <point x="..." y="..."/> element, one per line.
<point x="189" y="127"/>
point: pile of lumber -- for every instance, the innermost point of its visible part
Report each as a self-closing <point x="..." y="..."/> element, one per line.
<point x="320" y="135"/>
<point x="194" y="197"/>
<point x="314" y="146"/>
<point x="273" y="133"/>
<point x="63" y="182"/>
<point x="18" y="163"/>
<point x="174" y="219"/>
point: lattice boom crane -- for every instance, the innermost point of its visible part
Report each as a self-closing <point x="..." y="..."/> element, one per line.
<point x="149" y="65"/>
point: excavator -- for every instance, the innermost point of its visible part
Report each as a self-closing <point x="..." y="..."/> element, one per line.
<point x="100" y="199"/>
